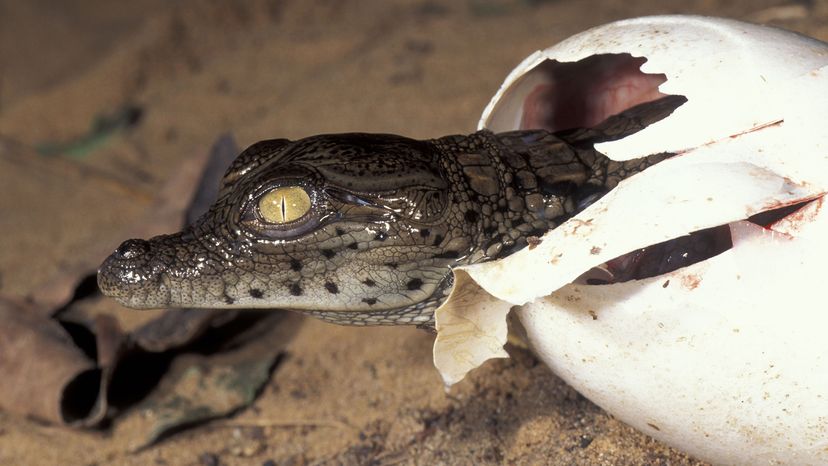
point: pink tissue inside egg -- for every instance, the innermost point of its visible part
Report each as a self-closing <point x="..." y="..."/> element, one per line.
<point x="584" y="93"/>
<point x="566" y="95"/>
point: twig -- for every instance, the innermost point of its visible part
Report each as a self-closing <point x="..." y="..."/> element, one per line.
<point x="287" y="423"/>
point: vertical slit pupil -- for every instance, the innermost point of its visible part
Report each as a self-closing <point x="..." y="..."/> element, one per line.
<point x="284" y="205"/>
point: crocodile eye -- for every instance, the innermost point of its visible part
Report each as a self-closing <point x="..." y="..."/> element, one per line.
<point x="284" y="204"/>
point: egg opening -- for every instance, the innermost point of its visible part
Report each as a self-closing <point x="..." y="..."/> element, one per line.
<point x="698" y="246"/>
<point x="562" y="95"/>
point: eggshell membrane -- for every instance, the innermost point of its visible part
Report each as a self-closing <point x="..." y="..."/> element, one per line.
<point x="471" y="329"/>
<point x="725" y="359"/>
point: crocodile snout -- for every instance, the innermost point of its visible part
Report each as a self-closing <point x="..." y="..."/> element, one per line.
<point x="134" y="274"/>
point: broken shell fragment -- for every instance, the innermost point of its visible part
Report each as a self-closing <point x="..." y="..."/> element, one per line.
<point x="725" y="358"/>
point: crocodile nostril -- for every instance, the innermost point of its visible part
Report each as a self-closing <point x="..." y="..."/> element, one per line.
<point x="132" y="249"/>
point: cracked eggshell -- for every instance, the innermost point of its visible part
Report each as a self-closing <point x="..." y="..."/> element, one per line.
<point x="726" y="359"/>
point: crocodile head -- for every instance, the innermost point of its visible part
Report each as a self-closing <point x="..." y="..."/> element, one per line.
<point x="355" y="228"/>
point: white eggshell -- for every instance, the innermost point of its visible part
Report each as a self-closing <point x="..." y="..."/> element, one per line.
<point x="726" y="359"/>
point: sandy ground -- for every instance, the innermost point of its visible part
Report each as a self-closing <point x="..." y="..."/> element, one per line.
<point x="264" y="69"/>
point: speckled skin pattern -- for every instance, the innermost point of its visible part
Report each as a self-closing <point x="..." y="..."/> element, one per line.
<point x="390" y="217"/>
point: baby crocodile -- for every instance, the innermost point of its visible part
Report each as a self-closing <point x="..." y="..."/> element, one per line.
<point x="364" y="229"/>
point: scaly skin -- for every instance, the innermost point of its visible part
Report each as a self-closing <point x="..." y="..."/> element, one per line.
<point x="389" y="218"/>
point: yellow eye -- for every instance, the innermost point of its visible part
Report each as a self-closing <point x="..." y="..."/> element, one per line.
<point x="284" y="204"/>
